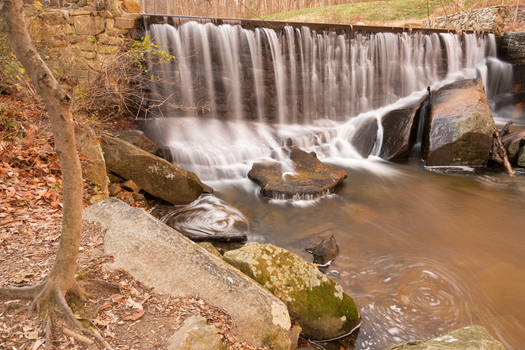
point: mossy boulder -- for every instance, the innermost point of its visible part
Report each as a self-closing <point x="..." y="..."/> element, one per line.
<point x="318" y="303"/>
<point x="468" y="338"/>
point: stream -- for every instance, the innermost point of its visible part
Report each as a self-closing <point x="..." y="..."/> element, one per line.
<point x="421" y="253"/>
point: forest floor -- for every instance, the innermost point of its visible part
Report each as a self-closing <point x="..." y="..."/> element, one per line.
<point x="389" y="13"/>
<point x="126" y="313"/>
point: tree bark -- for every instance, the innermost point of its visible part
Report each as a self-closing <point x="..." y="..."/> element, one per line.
<point x="58" y="106"/>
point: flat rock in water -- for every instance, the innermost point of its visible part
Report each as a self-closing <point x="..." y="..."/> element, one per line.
<point x="311" y="179"/>
<point x="207" y="219"/>
<point x="468" y="338"/>
<point x="319" y="304"/>
<point x="461" y="126"/>
<point x="162" y="258"/>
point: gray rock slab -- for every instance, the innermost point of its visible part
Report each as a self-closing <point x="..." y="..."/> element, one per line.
<point x="153" y="174"/>
<point x="196" y="334"/>
<point x="163" y="259"/>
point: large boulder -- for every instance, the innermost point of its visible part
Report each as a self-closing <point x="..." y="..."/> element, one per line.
<point x="137" y="138"/>
<point x="161" y="258"/>
<point x="92" y="159"/>
<point x="319" y="304"/>
<point x="207" y="219"/>
<point x="196" y="334"/>
<point x="153" y="174"/>
<point x="461" y="126"/>
<point x="312" y="177"/>
<point x="400" y="131"/>
<point x="468" y="338"/>
<point x="365" y="137"/>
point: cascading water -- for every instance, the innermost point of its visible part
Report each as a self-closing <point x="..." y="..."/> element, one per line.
<point x="240" y="95"/>
<point x="420" y="253"/>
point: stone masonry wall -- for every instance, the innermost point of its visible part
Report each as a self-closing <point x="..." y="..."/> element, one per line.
<point x="75" y="42"/>
<point x="484" y="19"/>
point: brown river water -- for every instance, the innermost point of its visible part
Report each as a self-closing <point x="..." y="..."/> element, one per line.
<point x="422" y="253"/>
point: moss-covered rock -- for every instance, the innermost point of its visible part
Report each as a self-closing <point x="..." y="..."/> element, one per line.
<point x="318" y="303"/>
<point x="468" y="338"/>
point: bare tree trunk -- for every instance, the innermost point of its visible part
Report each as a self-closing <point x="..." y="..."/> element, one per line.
<point x="58" y="104"/>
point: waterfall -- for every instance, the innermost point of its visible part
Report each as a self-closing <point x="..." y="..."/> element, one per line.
<point x="240" y="95"/>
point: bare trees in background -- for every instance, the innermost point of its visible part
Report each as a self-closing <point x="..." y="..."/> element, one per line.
<point x="231" y="8"/>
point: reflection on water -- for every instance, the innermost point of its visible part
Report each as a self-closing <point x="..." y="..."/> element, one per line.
<point x="422" y="253"/>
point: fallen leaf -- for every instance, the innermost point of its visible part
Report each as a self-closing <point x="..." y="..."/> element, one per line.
<point x="135" y="316"/>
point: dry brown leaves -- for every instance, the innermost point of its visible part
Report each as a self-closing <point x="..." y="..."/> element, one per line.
<point x="126" y="313"/>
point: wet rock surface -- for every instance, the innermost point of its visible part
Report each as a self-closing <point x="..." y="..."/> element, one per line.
<point x="152" y="174"/>
<point x="311" y="178"/>
<point x="206" y="219"/>
<point x="471" y="338"/>
<point x="365" y="137"/>
<point x="521" y="157"/>
<point x="399" y="131"/>
<point x="513" y="142"/>
<point x="318" y="303"/>
<point x="325" y="251"/>
<point x="161" y="258"/>
<point x="461" y="126"/>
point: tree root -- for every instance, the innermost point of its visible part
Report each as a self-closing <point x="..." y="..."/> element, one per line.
<point x="48" y="301"/>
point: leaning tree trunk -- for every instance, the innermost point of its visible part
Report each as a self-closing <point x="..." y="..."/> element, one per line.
<point x="58" y="104"/>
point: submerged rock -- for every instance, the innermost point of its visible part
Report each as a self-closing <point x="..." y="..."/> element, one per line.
<point x="311" y="178"/>
<point x="137" y="138"/>
<point x="468" y="338"/>
<point x="400" y="131"/>
<point x="319" y="304"/>
<point x="324" y="252"/>
<point x="161" y="258"/>
<point x="154" y="175"/>
<point x="461" y="126"/>
<point x="196" y="334"/>
<point x="206" y="219"/>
